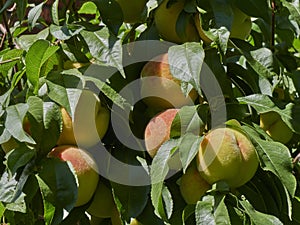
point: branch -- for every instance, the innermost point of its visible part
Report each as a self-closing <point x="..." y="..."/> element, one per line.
<point x="273" y="25"/>
<point x="8" y="33"/>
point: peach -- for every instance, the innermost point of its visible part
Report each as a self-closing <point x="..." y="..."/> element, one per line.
<point x="102" y="203"/>
<point x="192" y="185"/>
<point x="163" y="89"/>
<point x="84" y="167"/>
<point x="90" y="122"/>
<point x="158" y="130"/>
<point x="226" y="154"/>
<point x="166" y="18"/>
<point x="274" y="126"/>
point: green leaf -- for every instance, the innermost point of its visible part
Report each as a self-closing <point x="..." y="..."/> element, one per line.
<point x="258" y="217"/>
<point x="2" y="209"/>
<point x="263" y="104"/>
<point x="7" y="4"/>
<point x="66" y="31"/>
<point x="54" y="12"/>
<point x="274" y="157"/>
<point x="9" y="59"/>
<point x="204" y="212"/>
<point x="14" y="122"/>
<point x="76" y="215"/>
<point x="258" y="59"/>
<point x="5" y="136"/>
<point x="223" y="15"/>
<point x="186" y="63"/>
<point x="45" y="122"/>
<point x="221" y="36"/>
<point x="88" y="8"/>
<point x="259" y="195"/>
<point x="16" y="78"/>
<point x="255" y="8"/>
<point x="25" y="41"/>
<point x="105" y="47"/>
<point x="60" y="187"/>
<point x="21" y="8"/>
<point x="168" y="201"/>
<point x="34" y="14"/>
<point x="240" y="74"/>
<point x="220" y="210"/>
<point x="188" y="149"/>
<point x="132" y="198"/>
<point x="293" y="7"/>
<point x="187" y="120"/>
<point x="48" y="201"/>
<point x="37" y="55"/>
<point x="19" y="157"/>
<point x="111" y="13"/>
<point x="110" y="93"/>
<point x="4" y="101"/>
<point x="188" y="211"/>
<point x="11" y="187"/>
<point x="182" y="22"/>
<point x="56" y="89"/>
<point x="214" y="67"/>
<point x="159" y="172"/>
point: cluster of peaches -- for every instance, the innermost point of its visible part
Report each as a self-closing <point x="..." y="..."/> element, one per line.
<point x="225" y="153"/>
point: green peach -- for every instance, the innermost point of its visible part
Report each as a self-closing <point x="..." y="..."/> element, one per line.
<point x="240" y="27"/>
<point x="192" y="185"/>
<point x="90" y="122"/>
<point x="102" y="203"/>
<point x="166" y="19"/>
<point x="274" y="126"/>
<point x="226" y="154"/>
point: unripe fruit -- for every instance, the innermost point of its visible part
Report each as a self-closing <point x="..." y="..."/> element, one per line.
<point x="158" y="130"/>
<point x="192" y="185"/>
<point x="90" y="122"/>
<point x="103" y="203"/>
<point x="240" y="27"/>
<point x="67" y="134"/>
<point x="84" y="167"/>
<point x="132" y="9"/>
<point x="164" y="89"/>
<point x="226" y="154"/>
<point x="274" y="126"/>
<point x="166" y="20"/>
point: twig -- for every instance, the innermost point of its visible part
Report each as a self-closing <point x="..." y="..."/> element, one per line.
<point x="2" y="41"/>
<point x="273" y="25"/>
<point x="10" y="40"/>
<point x="10" y="60"/>
<point x="8" y="33"/>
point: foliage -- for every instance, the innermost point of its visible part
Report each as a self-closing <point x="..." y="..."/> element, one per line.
<point x="50" y="50"/>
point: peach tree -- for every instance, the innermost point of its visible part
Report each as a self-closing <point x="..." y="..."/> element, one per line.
<point x="228" y="70"/>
